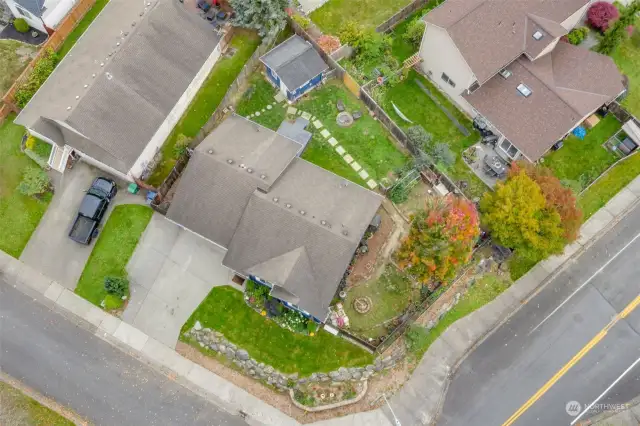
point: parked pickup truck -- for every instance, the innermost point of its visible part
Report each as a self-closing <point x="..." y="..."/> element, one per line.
<point x="93" y="207"/>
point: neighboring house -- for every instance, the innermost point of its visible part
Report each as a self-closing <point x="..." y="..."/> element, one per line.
<point x="295" y="67"/>
<point x="119" y="92"/>
<point x="284" y="222"/>
<point x="43" y="15"/>
<point x="502" y="60"/>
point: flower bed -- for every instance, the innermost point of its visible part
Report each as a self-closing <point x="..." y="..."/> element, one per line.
<point x="323" y="396"/>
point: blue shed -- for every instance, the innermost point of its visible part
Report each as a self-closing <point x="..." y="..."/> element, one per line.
<point x="295" y="67"/>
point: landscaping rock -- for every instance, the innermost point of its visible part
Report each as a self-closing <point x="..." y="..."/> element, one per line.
<point x="334" y="375"/>
<point x="369" y="368"/>
<point x="197" y="326"/>
<point x="230" y="353"/>
<point x="252" y="372"/>
<point x="269" y="369"/>
<point x="242" y="355"/>
<point x="222" y="348"/>
<point x="356" y="375"/>
<point x="213" y="347"/>
<point x="232" y="346"/>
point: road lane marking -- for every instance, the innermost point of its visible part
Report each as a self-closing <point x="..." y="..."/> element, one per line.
<point x="595" y="401"/>
<point x="592" y="343"/>
<point x="586" y="282"/>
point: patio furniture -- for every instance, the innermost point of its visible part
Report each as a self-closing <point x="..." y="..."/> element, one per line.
<point x="357" y="115"/>
<point x="202" y="4"/>
<point x="494" y="166"/>
<point x="340" y="105"/>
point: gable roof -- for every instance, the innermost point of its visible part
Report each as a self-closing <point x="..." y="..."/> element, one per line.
<point x="33" y="6"/>
<point x="295" y="61"/>
<point x="566" y="86"/>
<point x="123" y="77"/>
<point x="492" y="33"/>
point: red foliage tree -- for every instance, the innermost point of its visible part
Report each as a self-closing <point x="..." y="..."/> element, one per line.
<point x="600" y="15"/>
<point x="558" y="197"/>
<point x="440" y="240"/>
<point x="328" y="43"/>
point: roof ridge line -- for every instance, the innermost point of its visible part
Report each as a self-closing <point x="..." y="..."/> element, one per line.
<point x="299" y="54"/>
<point x="482" y="3"/>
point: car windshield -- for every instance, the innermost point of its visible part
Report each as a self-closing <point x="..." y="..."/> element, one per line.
<point x="103" y="185"/>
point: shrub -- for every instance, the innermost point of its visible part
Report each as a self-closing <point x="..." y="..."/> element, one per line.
<point x="351" y="33"/>
<point x="417" y="338"/>
<point x="312" y="327"/>
<point x="372" y="46"/>
<point x="118" y="286"/>
<point x="294" y="320"/>
<point x="577" y="35"/>
<point x="181" y="146"/>
<point x="21" y="25"/>
<point x="601" y="14"/>
<point x="303" y="21"/>
<point x="419" y="137"/>
<point x="329" y="43"/>
<point x="41" y="71"/>
<point x="414" y="32"/>
<point x="443" y="154"/>
<point x="398" y="194"/>
<point x="635" y="38"/>
<point x="34" y="182"/>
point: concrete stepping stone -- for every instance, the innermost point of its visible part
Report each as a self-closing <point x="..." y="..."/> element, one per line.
<point x="306" y="115"/>
<point x="269" y="107"/>
<point x="317" y="124"/>
<point x="292" y="110"/>
<point x="355" y="166"/>
<point x="325" y="133"/>
<point x="372" y="184"/>
<point x="279" y="97"/>
<point x="348" y="159"/>
<point x="363" y="174"/>
<point x="257" y="114"/>
<point x="250" y="115"/>
<point x="262" y="111"/>
<point x="299" y="112"/>
<point x="340" y="150"/>
<point x="333" y="141"/>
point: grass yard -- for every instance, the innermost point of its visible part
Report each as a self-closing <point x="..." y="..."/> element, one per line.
<point x="207" y="99"/>
<point x="482" y="292"/>
<point x="17" y="408"/>
<point x="583" y="161"/>
<point x="225" y="310"/>
<point x="111" y="253"/>
<point x="420" y="109"/>
<point x="14" y="57"/>
<point x="19" y="214"/>
<point x="390" y="295"/>
<point x="594" y="198"/>
<point x="627" y="57"/>
<point x="368" y="13"/>
<point x="81" y="27"/>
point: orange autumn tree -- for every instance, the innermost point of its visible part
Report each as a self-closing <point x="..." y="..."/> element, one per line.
<point x="440" y="240"/>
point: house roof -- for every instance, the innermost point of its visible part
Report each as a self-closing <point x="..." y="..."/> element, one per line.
<point x="299" y="232"/>
<point x="213" y="193"/>
<point x="295" y="61"/>
<point x="123" y="77"/>
<point x="492" y="33"/>
<point x="566" y="86"/>
<point x="33" y="6"/>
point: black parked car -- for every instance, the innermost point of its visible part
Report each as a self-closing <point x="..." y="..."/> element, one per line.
<point x="92" y="209"/>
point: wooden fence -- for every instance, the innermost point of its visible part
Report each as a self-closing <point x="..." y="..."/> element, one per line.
<point x="54" y="42"/>
<point x="403" y="14"/>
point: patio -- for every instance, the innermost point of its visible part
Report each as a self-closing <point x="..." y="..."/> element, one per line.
<point x="486" y="163"/>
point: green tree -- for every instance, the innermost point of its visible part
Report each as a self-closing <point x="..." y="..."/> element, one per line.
<point x="414" y="32"/>
<point x="517" y="215"/>
<point x="617" y="33"/>
<point x="267" y="17"/>
<point x="34" y="182"/>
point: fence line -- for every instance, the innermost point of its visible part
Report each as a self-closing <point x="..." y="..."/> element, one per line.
<point x="54" y="42"/>
<point x="403" y="14"/>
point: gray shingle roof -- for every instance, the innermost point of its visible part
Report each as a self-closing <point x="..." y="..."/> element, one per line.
<point x="295" y="61"/>
<point x="135" y="74"/>
<point x="33" y="6"/>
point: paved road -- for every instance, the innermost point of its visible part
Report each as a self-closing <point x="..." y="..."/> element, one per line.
<point x="67" y="363"/>
<point x="516" y="362"/>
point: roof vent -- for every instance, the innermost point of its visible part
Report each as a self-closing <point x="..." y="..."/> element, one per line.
<point x="538" y="35"/>
<point x="345" y="232"/>
<point x="288" y="205"/>
<point x="505" y="73"/>
<point x="323" y="222"/>
<point x="263" y="177"/>
<point x="109" y="76"/>
<point x="230" y="161"/>
<point x="249" y="170"/>
<point x="302" y="212"/>
<point x="210" y="151"/>
<point x="242" y="166"/>
<point x="275" y="199"/>
<point x="524" y="90"/>
<point x="86" y="85"/>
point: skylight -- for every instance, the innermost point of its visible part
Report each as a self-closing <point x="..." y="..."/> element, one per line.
<point x="524" y="90"/>
<point x="538" y="35"/>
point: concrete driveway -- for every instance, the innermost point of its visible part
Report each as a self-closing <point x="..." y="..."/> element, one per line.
<point x="171" y="272"/>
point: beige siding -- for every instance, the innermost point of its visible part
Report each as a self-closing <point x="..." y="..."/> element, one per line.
<point x="575" y="19"/>
<point x="440" y="55"/>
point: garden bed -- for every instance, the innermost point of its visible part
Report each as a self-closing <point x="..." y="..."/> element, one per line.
<point x="319" y="397"/>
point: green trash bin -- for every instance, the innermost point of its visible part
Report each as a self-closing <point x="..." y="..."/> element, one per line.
<point x="133" y="188"/>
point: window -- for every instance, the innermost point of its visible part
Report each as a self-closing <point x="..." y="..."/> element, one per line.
<point x="538" y="35"/>
<point x="509" y="148"/>
<point x="524" y="90"/>
<point x="448" y="80"/>
<point x="475" y="86"/>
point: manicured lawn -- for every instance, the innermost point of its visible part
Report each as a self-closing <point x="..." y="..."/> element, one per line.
<point x="420" y="109"/>
<point x="115" y="246"/>
<point x="19" y="214"/>
<point x="390" y="295"/>
<point x="584" y="160"/>
<point x="224" y="310"/>
<point x="484" y="291"/>
<point x="81" y="27"/>
<point x="609" y="185"/>
<point x="17" y="408"/>
<point x="368" y="13"/>
<point x="627" y="57"/>
<point x="14" y="57"/>
<point x="207" y="99"/>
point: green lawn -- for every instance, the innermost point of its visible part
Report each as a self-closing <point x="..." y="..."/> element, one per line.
<point x="420" y="109"/>
<point x="366" y="140"/>
<point x="482" y="292"/>
<point x="390" y="295"/>
<point x="368" y="13"/>
<point x="17" y="408"/>
<point x="207" y="99"/>
<point x="14" y="57"/>
<point x="111" y="253"/>
<point x="224" y="310"/>
<point x="81" y="27"/>
<point x="627" y="57"/>
<point x="584" y="160"/>
<point x="19" y="215"/>
<point x="401" y="48"/>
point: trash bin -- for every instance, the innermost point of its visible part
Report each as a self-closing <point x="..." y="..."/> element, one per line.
<point x="133" y="188"/>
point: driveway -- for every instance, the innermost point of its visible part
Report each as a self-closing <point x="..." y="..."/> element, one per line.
<point x="50" y="250"/>
<point x="171" y="272"/>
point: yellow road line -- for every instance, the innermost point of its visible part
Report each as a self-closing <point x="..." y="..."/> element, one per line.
<point x="592" y="343"/>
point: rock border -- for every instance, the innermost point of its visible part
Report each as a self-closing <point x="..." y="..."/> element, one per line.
<point x="361" y="395"/>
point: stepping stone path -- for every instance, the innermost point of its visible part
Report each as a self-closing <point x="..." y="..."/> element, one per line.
<point x="372" y="184"/>
<point x="363" y="174"/>
<point x="292" y="110"/>
<point x="257" y="113"/>
<point x="262" y="111"/>
<point x="279" y="97"/>
<point x="333" y="141"/>
<point x="306" y="115"/>
<point x="269" y="107"/>
<point x="325" y="133"/>
<point x="317" y="124"/>
<point x="355" y="166"/>
<point x="299" y="112"/>
<point x="348" y="159"/>
<point x="340" y="150"/>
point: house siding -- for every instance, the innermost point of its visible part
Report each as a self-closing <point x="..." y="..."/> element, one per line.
<point x="440" y="55"/>
<point x="575" y="19"/>
<point x="304" y="89"/>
